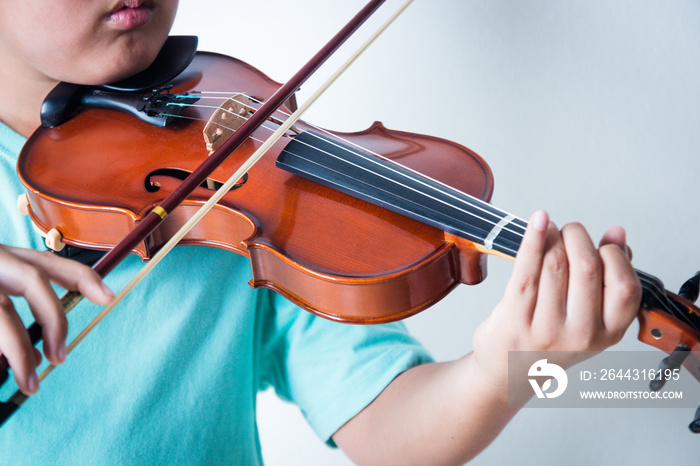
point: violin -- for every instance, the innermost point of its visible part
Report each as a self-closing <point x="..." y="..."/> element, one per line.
<point x="393" y="221"/>
<point x="335" y="263"/>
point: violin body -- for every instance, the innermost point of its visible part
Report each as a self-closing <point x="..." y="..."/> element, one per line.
<point x="94" y="177"/>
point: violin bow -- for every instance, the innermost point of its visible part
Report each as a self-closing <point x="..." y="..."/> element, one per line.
<point x="154" y="218"/>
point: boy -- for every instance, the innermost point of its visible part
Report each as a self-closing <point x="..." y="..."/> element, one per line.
<point x="185" y="390"/>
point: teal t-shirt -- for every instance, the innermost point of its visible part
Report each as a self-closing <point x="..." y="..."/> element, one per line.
<point x="172" y="374"/>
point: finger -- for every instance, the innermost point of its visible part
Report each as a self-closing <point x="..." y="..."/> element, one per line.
<point x="622" y="293"/>
<point x="16" y="347"/>
<point x="68" y="274"/>
<point x="616" y="235"/>
<point x="550" y="312"/>
<point x="585" y="282"/>
<point x="37" y="357"/>
<point x="524" y="282"/>
<point x="20" y="278"/>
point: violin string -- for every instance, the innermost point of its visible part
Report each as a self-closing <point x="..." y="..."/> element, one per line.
<point x="449" y="190"/>
<point x="471" y="201"/>
<point x="185" y="117"/>
<point x="472" y="214"/>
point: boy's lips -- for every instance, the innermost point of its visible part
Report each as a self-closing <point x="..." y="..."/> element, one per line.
<point x="130" y="14"/>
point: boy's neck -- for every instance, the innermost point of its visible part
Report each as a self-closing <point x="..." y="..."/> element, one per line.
<point x="24" y="90"/>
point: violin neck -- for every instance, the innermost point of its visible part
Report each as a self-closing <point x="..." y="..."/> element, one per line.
<point x="382" y="182"/>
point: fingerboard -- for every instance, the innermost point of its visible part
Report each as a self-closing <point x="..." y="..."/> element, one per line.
<point x="379" y="181"/>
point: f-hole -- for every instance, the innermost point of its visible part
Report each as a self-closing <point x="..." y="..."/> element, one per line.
<point x="210" y="184"/>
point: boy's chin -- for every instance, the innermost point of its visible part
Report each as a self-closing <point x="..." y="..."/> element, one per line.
<point x="107" y="74"/>
<point x="116" y="64"/>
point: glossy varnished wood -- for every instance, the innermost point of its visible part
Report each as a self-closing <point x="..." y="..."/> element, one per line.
<point x="663" y="331"/>
<point x="335" y="255"/>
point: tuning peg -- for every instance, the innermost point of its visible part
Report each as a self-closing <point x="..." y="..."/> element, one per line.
<point x="691" y="288"/>
<point x="669" y="363"/>
<point x="695" y="425"/>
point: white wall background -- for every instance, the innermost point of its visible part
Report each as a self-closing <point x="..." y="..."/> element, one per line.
<point x="587" y="108"/>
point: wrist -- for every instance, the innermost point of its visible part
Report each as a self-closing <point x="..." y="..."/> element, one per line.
<point x="493" y="383"/>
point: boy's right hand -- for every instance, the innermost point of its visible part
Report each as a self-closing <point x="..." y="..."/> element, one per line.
<point x="29" y="273"/>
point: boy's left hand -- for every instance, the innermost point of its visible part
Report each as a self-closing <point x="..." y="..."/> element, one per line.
<point x="564" y="295"/>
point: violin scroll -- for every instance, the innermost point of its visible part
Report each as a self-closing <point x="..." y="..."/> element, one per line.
<point x="671" y="323"/>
